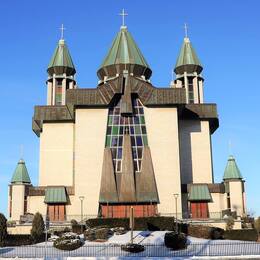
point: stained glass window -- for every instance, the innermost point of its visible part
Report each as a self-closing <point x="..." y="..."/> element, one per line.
<point x="118" y="125"/>
<point x="58" y="95"/>
<point x="191" y="91"/>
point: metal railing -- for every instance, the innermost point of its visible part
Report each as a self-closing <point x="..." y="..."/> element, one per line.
<point x="181" y="216"/>
<point x="188" y="215"/>
<point x="211" y="248"/>
<point x="78" y="218"/>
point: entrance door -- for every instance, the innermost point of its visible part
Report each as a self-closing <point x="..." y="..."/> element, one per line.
<point x="56" y="212"/>
<point x="199" y="209"/>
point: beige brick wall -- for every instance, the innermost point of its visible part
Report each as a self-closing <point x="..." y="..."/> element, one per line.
<point x="236" y="196"/>
<point x="56" y="154"/>
<point x="36" y="204"/>
<point x="163" y="139"/>
<point x="17" y="201"/>
<point x="90" y="133"/>
<point x="19" y="230"/>
<point x="218" y="204"/>
<point x="195" y="147"/>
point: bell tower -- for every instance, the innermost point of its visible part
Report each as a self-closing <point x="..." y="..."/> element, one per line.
<point x="61" y="72"/>
<point x="18" y="191"/>
<point x="188" y="72"/>
<point x="235" y="187"/>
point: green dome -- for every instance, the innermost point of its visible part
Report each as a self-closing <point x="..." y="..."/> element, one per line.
<point x="188" y="60"/>
<point x="124" y="54"/>
<point x="20" y="174"/>
<point x="232" y="171"/>
<point x="61" y="61"/>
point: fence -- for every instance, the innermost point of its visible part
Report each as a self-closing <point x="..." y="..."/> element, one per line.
<point x="211" y="248"/>
<point x="184" y="215"/>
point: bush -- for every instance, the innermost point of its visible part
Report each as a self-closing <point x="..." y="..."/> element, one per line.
<point x="59" y="231"/>
<point x="216" y="233"/>
<point x="68" y="241"/>
<point x="241" y="234"/>
<point x="102" y="233"/>
<point x="18" y="240"/>
<point x="11" y="223"/>
<point x="175" y="241"/>
<point x="229" y="223"/>
<point x="147" y="223"/>
<point x="37" y="231"/>
<point x="76" y="227"/>
<point x="3" y="229"/>
<point x="132" y="248"/>
<point x="206" y="232"/>
<point x="119" y="230"/>
<point x="109" y="222"/>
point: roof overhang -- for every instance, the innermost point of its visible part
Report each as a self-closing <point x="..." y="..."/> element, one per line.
<point x="55" y="195"/>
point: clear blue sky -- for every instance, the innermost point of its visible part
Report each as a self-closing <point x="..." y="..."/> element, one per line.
<point x="224" y="33"/>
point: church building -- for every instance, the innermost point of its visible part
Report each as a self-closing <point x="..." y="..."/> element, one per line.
<point x="126" y="142"/>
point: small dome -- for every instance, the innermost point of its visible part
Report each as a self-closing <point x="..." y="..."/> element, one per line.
<point x="124" y="55"/>
<point x="61" y="61"/>
<point x="232" y="171"/>
<point x="188" y="60"/>
<point x="20" y="174"/>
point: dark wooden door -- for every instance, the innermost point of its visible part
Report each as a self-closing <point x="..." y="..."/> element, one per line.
<point x="56" y="212"/>
<point x="199" y="209"/>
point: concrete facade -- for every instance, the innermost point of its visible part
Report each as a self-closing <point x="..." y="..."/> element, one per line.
<point x="237" y="196"/>
<point x="195" y="151"/>
<point x="90" y="127"/>
<point x="17" y="208"/>
<point x="56" y="154"/>
<point x="158" y="142"/>
<point x="71" y="155"/>
<point x="163" y="138"/>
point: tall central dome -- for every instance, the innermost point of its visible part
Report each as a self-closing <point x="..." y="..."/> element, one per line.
<point x="124" y="54"/>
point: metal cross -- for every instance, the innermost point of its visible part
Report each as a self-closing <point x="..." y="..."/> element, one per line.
<point x="123" y="14"/>
<point x="62" y="31"/>
<point x="186" y="30"/>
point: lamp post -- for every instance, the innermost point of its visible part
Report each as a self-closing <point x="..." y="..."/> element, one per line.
<point x="176" y="195"/>
<point x="81" y="205"/>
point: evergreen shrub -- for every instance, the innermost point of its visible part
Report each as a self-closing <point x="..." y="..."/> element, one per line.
<point x="202" y="231"/>
<point x="175" y="241"/>
<point x="241" y="234"/>
<point x="145" y="223"/>
<point x="3" y="229"/>
<point x="37" y="231"/>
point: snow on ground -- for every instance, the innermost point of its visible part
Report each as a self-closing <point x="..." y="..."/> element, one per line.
<point x="149" y="237"/>
<point x="198" y="248"/>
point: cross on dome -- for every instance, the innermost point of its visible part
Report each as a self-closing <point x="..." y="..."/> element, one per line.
<point x="123" y="14"/>
<point x="62" y="28"/>
<point x="186" y="30"/>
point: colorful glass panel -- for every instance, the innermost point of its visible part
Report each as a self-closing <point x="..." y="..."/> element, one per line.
<point x="119" y="124"/>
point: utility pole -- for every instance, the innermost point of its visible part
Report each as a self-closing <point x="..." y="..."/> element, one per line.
<point x="132" y="224"/>
<point x="47" y="226"/>
<point x="176" y="195"/>
<point x="81" y="205"/>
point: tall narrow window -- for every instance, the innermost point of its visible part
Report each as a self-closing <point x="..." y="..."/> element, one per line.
<point x="228" y="201"/>
<point x="58" y="92"/>
<point x="118" y="125"/>
<point x="191" y="90"/>
<point x="25" y="205"/>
